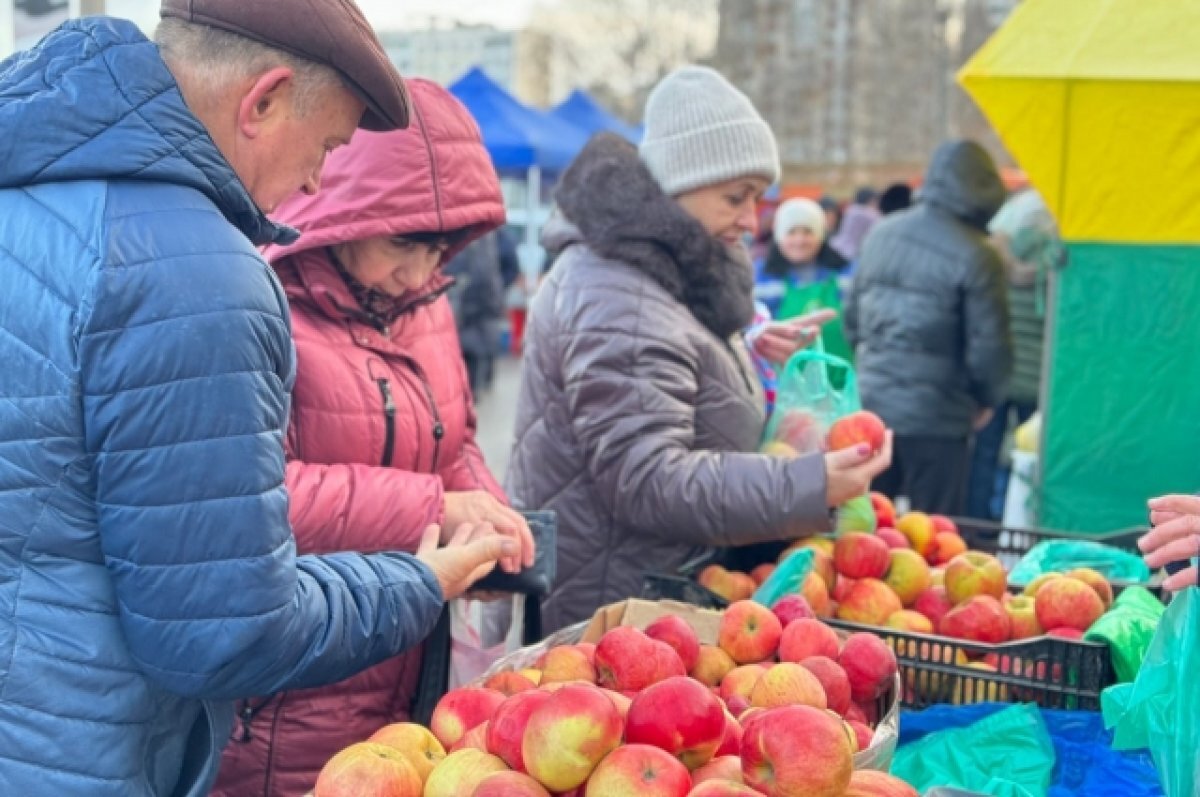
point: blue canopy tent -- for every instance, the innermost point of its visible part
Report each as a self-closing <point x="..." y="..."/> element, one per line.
<point x="521" y="140"/>
<point x="581" y="110"/>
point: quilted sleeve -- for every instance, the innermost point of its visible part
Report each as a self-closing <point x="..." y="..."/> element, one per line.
<point x="186" y="363"/>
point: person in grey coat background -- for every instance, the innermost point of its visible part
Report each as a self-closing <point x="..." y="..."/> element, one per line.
<point x="640" y="414"/>
<point x="928" y="316"/>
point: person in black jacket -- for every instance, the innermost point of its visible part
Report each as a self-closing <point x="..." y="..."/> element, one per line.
<point x="928" y="316"/>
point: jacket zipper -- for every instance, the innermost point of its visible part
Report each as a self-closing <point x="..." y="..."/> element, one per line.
<point x="389" y="418"/>
<point x="271" y="746"/>
<point x="439" y="431"/>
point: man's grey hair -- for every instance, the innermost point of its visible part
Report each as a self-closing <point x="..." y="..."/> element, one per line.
<point x="215" y="58"/>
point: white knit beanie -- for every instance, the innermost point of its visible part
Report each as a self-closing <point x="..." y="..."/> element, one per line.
<point x="799" y="212"/>
<point x="701" y="131"/>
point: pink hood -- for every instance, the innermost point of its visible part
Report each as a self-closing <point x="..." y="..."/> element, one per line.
<point x="435" y="176"/>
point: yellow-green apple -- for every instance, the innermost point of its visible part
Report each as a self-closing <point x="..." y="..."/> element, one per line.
<point x="907" y="575"/>
<point x="817" y="543"/>
<point x="869" y="664"/>
<point x="506" y="729"/>
<point x="797" y="751"/>
<point x="679" y="715"/>
<point x="891" y="537"/>
<point x="943" y="523"/>
<point x="731" y="742"/>
<point x="1096" y="581"/>
<point x="980" y="619"/>
<point x="824" y="566"/>
<point x="415" y="742"/>
<point x="813" y="590"/>
<point x="869" y="783"/>
<point x="918" y="529"/>
<point x="1068" y="603"/>
<point x="462" y="709"/>
<point x="792" y="607"/>
<point x="934" y="604"/>
<point x="626" y="660"/>
<point x="938" y="576"/>
<point x="777" y="448"/>
<point x="1031" y="589"/>
<point x="885" y="510"/>
<point x="569" y="734"/>
<point x="712" y="665"/>
<point x="749" y="632"/>
<point x="639" y="769"/>
<point x="909" y="620"/>
<point x="975" y="573"/>
<point x="856" y="428"/>
<point x="762" y="573"/>
<point x="1022" y="616"/>
<point x="803" y="639"/>
<point x="787" y="684"/>
<point x="533" y="675"/>
<point x="726" y="767"/>
<point x="834" y="681"/>
<point x="509" y="683"/>
<point x="476" y="737"/>
<point x="857" y="555"/>
<point x="870" y="601"/>
<point x="743" y="586"/>
<point x="460" y="773"/>
<point x="862" y="734"/>
<point x="740" y="681"/>
<point x="675" y="631"/>
<point x="509" y="784"/>
<point x="567" y="663"/>
<point x="723" y="788"/>
<point x="369" y="768"/>
<point x="945" y="546"/>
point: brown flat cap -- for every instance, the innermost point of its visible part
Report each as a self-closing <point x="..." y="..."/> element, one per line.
<point x="330" y="32"/>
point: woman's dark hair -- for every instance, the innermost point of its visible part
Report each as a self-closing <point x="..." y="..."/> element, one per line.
<point x="780" y="267"/>
<point x="449" y="239"/>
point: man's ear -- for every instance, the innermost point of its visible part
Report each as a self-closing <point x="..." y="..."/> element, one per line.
<point x="268" y="97"/>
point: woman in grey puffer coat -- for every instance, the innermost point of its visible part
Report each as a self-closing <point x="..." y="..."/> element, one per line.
<point x="639" y="410"/>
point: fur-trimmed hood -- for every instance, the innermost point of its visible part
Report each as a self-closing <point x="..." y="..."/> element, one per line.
<point x="609" y="201"/>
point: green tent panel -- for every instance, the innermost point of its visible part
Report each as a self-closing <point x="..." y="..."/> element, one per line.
<point x="1122" y="421"/>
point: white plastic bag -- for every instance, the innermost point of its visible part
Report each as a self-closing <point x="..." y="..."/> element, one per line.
<point x="482" y="633"/>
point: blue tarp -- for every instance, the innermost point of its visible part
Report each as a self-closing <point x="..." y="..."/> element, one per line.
<point x="1086" y="765"/>
<point x="585" y="113"/>
<point x="517" y="136"/>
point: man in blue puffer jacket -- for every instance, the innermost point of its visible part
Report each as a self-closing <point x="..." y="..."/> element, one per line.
<point x="148" y="574"/>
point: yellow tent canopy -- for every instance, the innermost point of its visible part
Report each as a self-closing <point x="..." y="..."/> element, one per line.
<point x="1099" y="101"/>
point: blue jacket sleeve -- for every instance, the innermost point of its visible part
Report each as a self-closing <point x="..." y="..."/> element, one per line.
<point x="186" y="365"/>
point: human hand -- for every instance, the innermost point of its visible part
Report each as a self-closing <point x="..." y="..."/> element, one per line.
<point x="849" y="472"/>
<point x="780" y="340"/>
<point x="1174" y="538"/>
<point x="983" y="418"/>
<point x="470" y="554"/>
<point x="478" y="506"/>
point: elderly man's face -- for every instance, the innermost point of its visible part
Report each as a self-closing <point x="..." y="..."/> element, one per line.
<point x="281" y="149"/>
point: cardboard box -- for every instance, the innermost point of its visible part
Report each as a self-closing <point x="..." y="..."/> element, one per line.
<point x="641" y="613"/>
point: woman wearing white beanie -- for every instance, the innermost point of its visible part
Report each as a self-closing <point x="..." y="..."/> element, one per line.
<point x="640" y="415"/>
<point x="799" y="254"/>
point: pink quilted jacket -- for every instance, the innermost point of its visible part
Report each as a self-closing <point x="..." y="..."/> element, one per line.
<point x="382" y="420"/>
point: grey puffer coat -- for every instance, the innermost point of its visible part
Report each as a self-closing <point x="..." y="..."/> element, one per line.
<point x="927" y="311"/>
<point x="639" y="411"/>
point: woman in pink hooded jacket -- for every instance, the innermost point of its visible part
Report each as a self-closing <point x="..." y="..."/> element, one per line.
<point x="382" y="436"/>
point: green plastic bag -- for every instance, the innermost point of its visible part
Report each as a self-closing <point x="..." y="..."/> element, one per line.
<point x="1160" y="710"/>
<point x="1008" y="754"/>
<point x="820" y="295"/>
<point x="786" y="578"/>
<point x="1059" y="556"/>
<point x="857" y="514"/>
<point x="1128" y="628"/>
<point x="807" y="401"/>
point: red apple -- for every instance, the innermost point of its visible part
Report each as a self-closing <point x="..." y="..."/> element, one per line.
<point x="739" y="682"/>
<point x="639" y="769"/>
<point x="788" y="684"/>
<point x="870" y="601"/>
<point x="712" y="665"/>
<point x="761" y="573"/>
<point x="862" y="734"/>
<point x="731" y="743"/>
<point x="834" y="681"/>
<point x="674" y="631"/>
<point x="974" y="573"/>
<point x="1022" y="616"/>
<point x="797" y="750"/>
<point x="1096" y="581"/>
<point x="857" y="555"/>
<point x="626" y="660"/>
<point x="869" y="783"/>
<point x="727" y="767"/>
<point x="857" y="427"/>
<point x="1068" y="603"/>
<point x="894" y="539"/>
<point x="723" y="788"/>
<point x="792" y="607"/>
<point x="980" y="619"/>
<point x="803" y="639"/>
<point x="934" y="604"/>
<point x="1065" y="633"/>
<point x="911" y="621"/>
<point x="749" y="632"/>
<point x="462" y="709"/>
<point x="368" y="768"/>
<point x="680" y="716"/>
<point x="509" y="784"/>
<point x="506" y="729"/>
<point x="869" y="664"/>
<point x="509" y="683"/>
<point x="945" y="546"/>
<point x="476" y="738"/>
<point x="569" y="734"/>
<point x="943" y="523"/>
<point x="567" y="663"/>
<point x="885" y="510"/>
